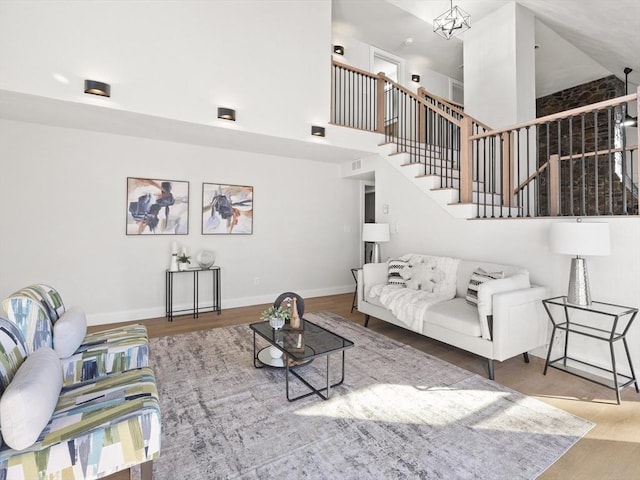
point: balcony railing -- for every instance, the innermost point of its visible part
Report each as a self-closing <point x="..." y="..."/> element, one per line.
<point x="573" y="163"/>
<point x="576" y="163"/>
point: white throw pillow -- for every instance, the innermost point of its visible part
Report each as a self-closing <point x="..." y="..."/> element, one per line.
<point x="69" y="332"/>
<point x="485" y="296"/>
<point x="28" y="403"/>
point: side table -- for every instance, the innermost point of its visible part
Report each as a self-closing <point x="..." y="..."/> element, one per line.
<point x="354" y="302"/>
<point x="619" y="321"/>
<point x="196" y="309"/>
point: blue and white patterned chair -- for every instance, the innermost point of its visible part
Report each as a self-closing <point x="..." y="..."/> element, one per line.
<point x="84" y="431"/>
<point x="43" y="320"/>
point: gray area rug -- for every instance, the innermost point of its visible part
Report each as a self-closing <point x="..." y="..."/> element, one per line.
<point x="399" y="414"/>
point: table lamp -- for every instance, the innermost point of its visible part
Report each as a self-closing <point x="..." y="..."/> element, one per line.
<point x="375" y="232"/>
<point x="579" y="238"/>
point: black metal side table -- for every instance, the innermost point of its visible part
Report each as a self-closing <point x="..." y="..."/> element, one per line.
<point x="620" y="320"/>
<point x="354" y="302"/>
<point x="196" y="309"/>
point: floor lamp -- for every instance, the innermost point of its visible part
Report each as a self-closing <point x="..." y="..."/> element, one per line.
<point x="579" y="238"/>
<point x="376" y="233"/>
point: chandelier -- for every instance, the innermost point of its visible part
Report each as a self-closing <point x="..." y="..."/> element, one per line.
<point x="452" y="22"/>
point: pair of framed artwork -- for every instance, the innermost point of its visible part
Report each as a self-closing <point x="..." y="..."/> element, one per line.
<point x="161" y="207"/>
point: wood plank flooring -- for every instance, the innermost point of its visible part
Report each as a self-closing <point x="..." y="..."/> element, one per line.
<point x="609" y="451"/>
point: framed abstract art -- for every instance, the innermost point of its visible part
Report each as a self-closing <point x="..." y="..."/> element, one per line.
<point x="227" y="209"/>
<point x="157" y="207"/>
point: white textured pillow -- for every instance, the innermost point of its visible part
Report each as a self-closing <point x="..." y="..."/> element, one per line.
<point x="30" y="399"/>
<point x="486" y="291"/>
<point x="69" y="332"/>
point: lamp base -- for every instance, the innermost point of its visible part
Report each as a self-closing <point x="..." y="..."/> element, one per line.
<point x="579" y="292"/>
<point x="375" y="257"/>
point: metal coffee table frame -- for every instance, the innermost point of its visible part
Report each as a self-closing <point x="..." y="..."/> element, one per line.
<point x="264" y="330"/>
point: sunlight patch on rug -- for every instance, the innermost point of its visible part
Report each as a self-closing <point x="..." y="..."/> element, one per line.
<point x="403" y="404"/>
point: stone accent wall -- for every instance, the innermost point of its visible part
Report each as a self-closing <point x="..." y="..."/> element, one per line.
<point x="589" y="184"/>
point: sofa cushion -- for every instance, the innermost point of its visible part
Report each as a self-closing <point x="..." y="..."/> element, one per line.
<point x="395" y="268"/>
<point x="467" y="267"/>
<point x="455" y="314"/>
<point x="69" y="332"/>
<point x="478" y="277"/>
<point x="27" y="404"/>
<point x="97" y="428"/>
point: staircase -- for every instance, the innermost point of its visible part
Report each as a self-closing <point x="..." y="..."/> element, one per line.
<point x="447" y="198"/>
<point x="473" y="171"/>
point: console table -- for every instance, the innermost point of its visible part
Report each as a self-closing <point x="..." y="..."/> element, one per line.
<point x="618" y="320"/>
<point x="196" y="309"/>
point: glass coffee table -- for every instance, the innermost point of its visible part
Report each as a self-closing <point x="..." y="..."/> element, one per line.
<point x="298" y="348"/>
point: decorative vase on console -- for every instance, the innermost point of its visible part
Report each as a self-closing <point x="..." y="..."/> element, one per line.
<point x="295" y="321"/>
<point x="173" y="266"/>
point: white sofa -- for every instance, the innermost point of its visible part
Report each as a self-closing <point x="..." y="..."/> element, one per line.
<point x="507" y="321"/>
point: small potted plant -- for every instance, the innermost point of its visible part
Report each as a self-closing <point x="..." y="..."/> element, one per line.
<point x="183" y="261"/>
<point x="276" y="316"/>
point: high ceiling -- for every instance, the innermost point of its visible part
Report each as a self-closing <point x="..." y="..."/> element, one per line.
<point x="607" y="32"/>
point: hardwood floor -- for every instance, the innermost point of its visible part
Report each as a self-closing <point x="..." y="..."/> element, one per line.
<point x="609" y="451"/>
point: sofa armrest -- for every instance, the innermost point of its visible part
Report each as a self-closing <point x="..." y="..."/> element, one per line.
<point x="375" y="273"/>
<point x="519" y="321"/>
<point x="369" y="275"/>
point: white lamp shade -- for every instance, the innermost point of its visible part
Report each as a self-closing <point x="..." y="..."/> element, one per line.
<point x="375" y="232"/>
<point x="579" y="238"/>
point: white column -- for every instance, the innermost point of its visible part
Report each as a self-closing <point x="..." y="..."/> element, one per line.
<point x="499" y="67"/>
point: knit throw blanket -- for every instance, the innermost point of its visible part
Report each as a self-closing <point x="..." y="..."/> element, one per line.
<point x="406" y="304"/>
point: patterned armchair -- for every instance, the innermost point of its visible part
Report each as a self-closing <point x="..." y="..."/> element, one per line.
<point x="82" y="431"/>
<point x="43" y="320"/>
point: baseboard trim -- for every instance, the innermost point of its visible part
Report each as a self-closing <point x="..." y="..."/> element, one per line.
<point x="107" y="318"/>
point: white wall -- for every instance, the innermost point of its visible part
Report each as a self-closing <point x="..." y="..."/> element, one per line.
<point x="566" y="74"/>
<point x="358" y="54"/>
<point x="63" y="209"/>
<point x="424" y="227"/>
<point x="177" y="59"/>
<point x="499" y="67"/>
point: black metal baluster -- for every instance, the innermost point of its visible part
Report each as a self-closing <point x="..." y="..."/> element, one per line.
<point x="596" y="175"/>
<point x="583" y="170"/>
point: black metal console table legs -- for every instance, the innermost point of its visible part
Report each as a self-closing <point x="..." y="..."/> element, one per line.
<point x="196" y="309"/>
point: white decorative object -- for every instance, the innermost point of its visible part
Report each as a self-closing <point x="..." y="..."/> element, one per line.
<point x="205" y="258"/>
<point x="173" y="266"/>
<point x="275" y="352"/>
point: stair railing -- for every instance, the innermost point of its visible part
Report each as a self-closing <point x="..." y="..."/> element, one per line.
<point x="573" y="163"/>
<point x="431" y="130"/>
